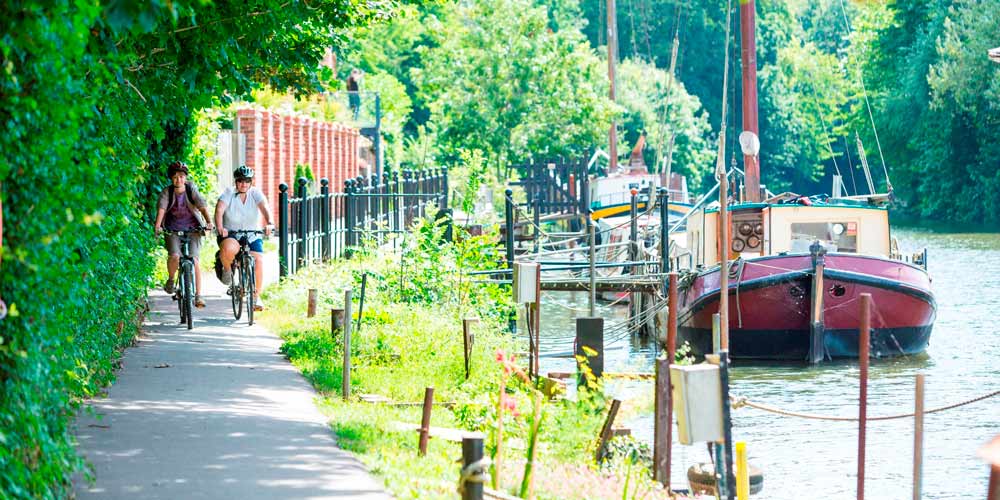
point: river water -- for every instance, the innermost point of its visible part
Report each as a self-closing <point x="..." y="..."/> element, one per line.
<point x="818" y="459"/>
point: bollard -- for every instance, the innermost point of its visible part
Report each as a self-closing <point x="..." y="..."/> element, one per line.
<point x="346" y="380"/>
<point x="863" y="340"/>
<point x="918" y="436"/>
<point x="425" y="420"/>
<point x="473" y="469"/>
<point x="742" y="472"/>
<point x="590" y="334"/>
<point x="311" y="303"/>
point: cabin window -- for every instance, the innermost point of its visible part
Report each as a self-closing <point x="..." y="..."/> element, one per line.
<point x="834" y="236"/>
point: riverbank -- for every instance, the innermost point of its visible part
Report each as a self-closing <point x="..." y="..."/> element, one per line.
<point x="409" y="338"/>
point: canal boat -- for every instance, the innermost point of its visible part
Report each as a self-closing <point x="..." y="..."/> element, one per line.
<point x="796" y="266"/>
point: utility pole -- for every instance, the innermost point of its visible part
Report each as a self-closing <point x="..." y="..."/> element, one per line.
<point x="612" y="55"/>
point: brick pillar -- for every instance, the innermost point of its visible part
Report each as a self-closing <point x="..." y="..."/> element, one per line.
<point x="287" y="163"/>
<point x="314" y="148"/>
<point x="268" y="173"/>
<point x="353" y="152"/>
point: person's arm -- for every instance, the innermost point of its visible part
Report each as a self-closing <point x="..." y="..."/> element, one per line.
<point x="202" y="205"/>
<point x="208" y="218"/>
<point x="220" y="209"/>
<point x="157" y="226"/>
<point x="262" y="206"/>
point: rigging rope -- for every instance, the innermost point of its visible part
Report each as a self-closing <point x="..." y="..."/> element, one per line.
<point x="739" y="402"/>
<point x="868" y="106"/>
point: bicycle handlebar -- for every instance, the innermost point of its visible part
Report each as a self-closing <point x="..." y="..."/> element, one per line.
<point x="185" y="232"/>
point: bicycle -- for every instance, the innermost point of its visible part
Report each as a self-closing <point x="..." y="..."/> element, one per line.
<point x="184" y="293"/>
<point x="244" y="280"/>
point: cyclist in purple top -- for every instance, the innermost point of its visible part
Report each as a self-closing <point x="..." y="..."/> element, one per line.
<point x="181" y="207"/>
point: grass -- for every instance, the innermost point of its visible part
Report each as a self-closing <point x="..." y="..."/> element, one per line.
<point x="407" y="342"/>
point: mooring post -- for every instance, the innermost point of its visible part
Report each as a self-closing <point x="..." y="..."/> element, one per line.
<point x="727" y="422"/>
<point x="346" y="382"/>
<point x="716" y="332"/>
<point x="311" y="303"/>
<point x="918" y="437"/>
<point x="664" y="201"/>
<point x="473" y="469"/>
<point x="590" y="335"/>
<point x="863" y="343"/>
<point x="662" y="423"/>
<point x="606" y="430"/>
<point x="467" y="340"/>
<point x="817" y="325"/>
<point x="538" y="318"/>
<point x="425" y="420"/>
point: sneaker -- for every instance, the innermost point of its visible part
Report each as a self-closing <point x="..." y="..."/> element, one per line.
<point x="169" y="286"/>
<point x="258" y="304"/>
<point x="198" y="302"/>
<point x="227" y="277"/>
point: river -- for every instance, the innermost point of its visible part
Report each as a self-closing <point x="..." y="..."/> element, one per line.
<point x="818" y="459"/>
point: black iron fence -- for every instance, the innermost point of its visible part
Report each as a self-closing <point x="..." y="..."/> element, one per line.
<point x="556" y="187"/>
<point x="325" y="225"/>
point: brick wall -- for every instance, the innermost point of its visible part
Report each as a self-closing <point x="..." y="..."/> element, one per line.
<point x="276" y="143"/>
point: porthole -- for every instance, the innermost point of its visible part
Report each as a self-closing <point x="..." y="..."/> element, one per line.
<point x="738" y="245"/>
<point x="746" y="228"/>
<point x="838" y="290"/>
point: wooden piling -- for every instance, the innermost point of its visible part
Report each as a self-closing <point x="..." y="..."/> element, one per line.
<point x="606" y="430"/>
<point x="425" y="420"/>
<point x="817" y="324"/>
<point x="864" y="334"/>
<point x="662" y="424"/>
<point x="918" y="437"/>
<point x="471" y="485"/>
<point x="346" y="379"/>
<point x="311" y="303"/>
<point x="467" y="340"/>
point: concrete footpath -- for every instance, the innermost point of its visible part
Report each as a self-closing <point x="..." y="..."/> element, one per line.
<point x="215" y="412"/>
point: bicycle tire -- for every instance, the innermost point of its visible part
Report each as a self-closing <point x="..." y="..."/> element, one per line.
<point x="238" y="288"/>
<point x="236" y="292"/>
<point x="248" y="271"/>
<point x="179" y="297"/>
<point x="189" y="294"/>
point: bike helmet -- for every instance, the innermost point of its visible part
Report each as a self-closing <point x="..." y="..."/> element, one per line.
<point x="177" y="166"/>
<point x="243" y="172"/>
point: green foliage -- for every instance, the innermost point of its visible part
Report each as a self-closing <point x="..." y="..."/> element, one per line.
<point x="96" y="100"/>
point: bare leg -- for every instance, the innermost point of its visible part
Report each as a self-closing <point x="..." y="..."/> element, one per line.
<point x="258" y="272"/>
<point x="197" y="277"/>
<point x="173" y="262"/>
<point x="229" y="248"/>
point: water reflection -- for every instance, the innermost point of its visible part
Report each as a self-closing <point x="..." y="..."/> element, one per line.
<point x="817" y="459"/>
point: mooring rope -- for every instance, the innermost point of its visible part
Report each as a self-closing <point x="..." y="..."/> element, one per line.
<point x="739" y="402"/>
<point x="475" y="472"/>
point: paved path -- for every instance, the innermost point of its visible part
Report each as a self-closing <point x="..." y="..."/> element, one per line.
<point x="215" y="412"/>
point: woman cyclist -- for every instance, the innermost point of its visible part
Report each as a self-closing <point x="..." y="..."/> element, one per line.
<point x="240" y="209"/>
<point x="181" y="207"/>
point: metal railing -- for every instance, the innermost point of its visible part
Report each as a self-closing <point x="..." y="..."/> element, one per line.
<point x="325" y="225"/>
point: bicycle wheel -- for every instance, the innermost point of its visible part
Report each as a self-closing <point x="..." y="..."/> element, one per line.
<point x="179" y="297"/>
<point x="236" y="290"/>
<point x="248" y="277"/>
<point x="188" y="296"/>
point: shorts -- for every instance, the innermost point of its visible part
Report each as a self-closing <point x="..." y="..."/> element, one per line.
<point x="172" y="242"/>
<point x="255" y="245"/>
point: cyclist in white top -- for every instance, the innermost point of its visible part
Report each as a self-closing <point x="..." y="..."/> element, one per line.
<point x="240" y="209"/>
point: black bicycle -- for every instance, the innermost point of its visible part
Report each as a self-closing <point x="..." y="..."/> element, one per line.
<point x="242" y="288"/>
<point x="184" y="292"/>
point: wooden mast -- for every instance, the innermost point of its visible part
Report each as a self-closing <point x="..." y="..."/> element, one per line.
<point x="612" y="55"/>
<point x="748" y="45"/>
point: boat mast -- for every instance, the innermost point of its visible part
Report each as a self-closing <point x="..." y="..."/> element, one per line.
<point x="612" y="55"/>
<point x="748" y="52"/>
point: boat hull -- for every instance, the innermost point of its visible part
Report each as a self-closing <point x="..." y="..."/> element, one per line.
<point x="769" y="303"/>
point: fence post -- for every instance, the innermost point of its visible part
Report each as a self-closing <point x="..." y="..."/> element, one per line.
<point x="300" y="193"/>
<point x="397" y="216"/>
<point x="324" y="214"/>
<point x="443" y="204"/>
<point x="664" y="201"/>
<point x="425" y="420"/>
<point x="386" y="203"/>
<point x="345" y="383"/>
<point x="472" y="478"/>
<point x="283" y="230"/>
<point x="348" y="215"/>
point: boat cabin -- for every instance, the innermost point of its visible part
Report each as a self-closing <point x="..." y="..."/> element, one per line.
<point x="762" y="229"/>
